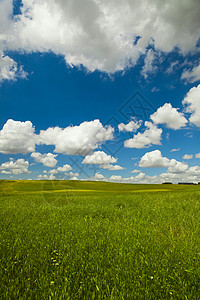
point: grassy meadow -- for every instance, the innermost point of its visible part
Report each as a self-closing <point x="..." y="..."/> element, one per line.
<point x="97" y="240"/>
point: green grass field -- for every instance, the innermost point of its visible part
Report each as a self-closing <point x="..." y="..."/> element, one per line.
<point x="96" y="240"/>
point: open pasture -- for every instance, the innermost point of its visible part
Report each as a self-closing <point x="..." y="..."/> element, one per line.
<point x="98" y="240"/>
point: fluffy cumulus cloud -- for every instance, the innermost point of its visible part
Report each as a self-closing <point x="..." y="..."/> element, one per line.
<point x="177" y="167"/>
<point x="130" y="127"/>
<point x="192" y="105"/>
<point x="99" y="158"/>
<point x="98" y="177"/>
<point x="177" y="172"/>
<point x="100" y="34"/>
<point x="140" y="176"/>
<point x="72" y="176"/>
<point x="197" y="155"/>
<point x="190" y="175"/>
<point x="188" y="156"/>
<point x="169" y="116"/>
<point x="20" y="166"/>
<point x="52" y="171"/>
<point x="195" y="170"/>
<point x="151" y="136"/>
<point x="111" y="167"/>
<point x="46" y="177"/>
<point x="47" y="159"/>
<point x="116" y="178"/>
<point x="155" y="159"/>
<point x="133" y="179"/>
<point x="64" y="168"/>
<point x="17" y="137"/>
<point x="77" y="140"/>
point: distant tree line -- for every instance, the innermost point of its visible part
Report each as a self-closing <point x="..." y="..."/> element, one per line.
<point x="185" y="183"/>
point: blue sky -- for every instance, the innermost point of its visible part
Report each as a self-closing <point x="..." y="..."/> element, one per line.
<point x="81" y="98"/>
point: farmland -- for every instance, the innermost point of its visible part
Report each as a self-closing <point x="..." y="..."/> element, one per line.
<point x="98" y="240"/>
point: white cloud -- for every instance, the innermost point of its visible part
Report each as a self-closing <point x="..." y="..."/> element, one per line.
<point x="135" y="171"/>
<point x="53" y="171"/>
<point x="17" y="137"/>
<point x="177" y="177"/>
<point x="20" y="166"/>
<point x="192" y="75"/>
<point x="197" y="155"/>
<point x="9" y="69"/>
<point x="188" y="156"/>
<point x="46" y="177"/>
<point x="77" y="140"/>
<point x="116" y="178"/>
<point x="156" y="160"/>
<point x="74" y="178"/>
<point x="140" y="176"/>
<point x="130" y="127"/>
<point x="195" y="170"/>
<point x="98" y="177"/>
<point x="100" y="34"/>
<point x="64" y="168"/>
<point x="192" y="105"/>
<point x="169" y="116"/>
<point x="73" y="174"/>
<point x="5" y="172"/>
<point x="99" y="158"/>
<point x="47" y="159"/>
<point x="190" y="175"/>
<point x="177" y="167"/>
<point x="175" y="150"/>
<point x="149" y="64"/>
<point x="151" y="136"/>
<point x="111" y="167"/>
<point x="179" y="173"/>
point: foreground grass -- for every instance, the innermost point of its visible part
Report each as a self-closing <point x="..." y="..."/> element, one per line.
<point x="97" y="244"/>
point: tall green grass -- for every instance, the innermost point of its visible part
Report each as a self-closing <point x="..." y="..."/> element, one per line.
<point x="99" y="245"/>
